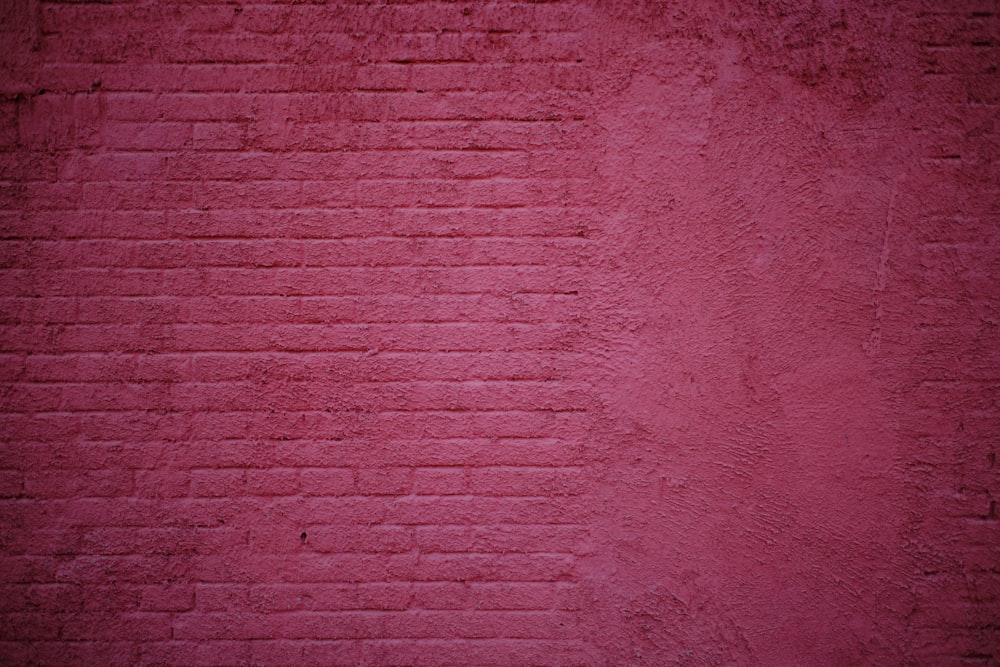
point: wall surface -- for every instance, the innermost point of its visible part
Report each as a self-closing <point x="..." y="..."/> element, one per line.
<point x="464" y="333"/>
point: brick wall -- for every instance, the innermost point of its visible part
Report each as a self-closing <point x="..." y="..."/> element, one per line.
<point x="454" y="333"/>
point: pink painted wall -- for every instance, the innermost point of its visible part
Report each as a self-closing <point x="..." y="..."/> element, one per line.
<point x="452" y="333"/>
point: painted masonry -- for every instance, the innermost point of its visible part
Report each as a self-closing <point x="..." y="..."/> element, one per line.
<point x="499" y="333"/>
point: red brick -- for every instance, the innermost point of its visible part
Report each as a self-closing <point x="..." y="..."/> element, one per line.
<point x="448" y="333"/>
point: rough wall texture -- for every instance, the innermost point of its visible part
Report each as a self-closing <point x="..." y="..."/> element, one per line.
<point x="461" y="333"/>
